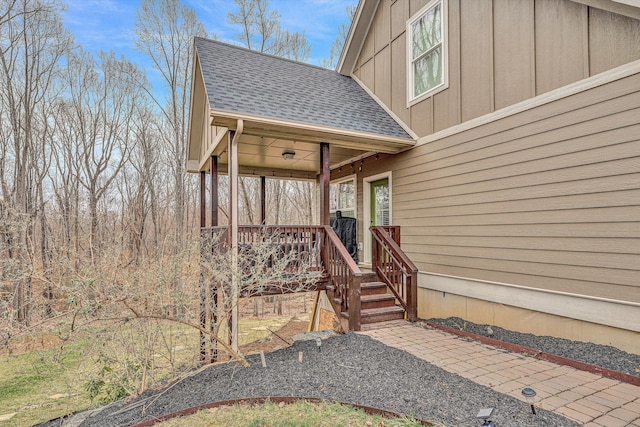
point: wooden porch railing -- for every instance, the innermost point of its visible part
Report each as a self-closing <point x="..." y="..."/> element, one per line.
<point x="395" y="268"/>
<point x="345" y="278"/>
<point x="300" y="243"/>
<point x="312" y="249"/>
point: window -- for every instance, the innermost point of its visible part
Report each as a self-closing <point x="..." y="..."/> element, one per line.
<point x="342" y="197"/>
<point x="426" y="50"/>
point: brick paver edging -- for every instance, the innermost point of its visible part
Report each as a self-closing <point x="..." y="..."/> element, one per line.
<point x="608" y="373"/>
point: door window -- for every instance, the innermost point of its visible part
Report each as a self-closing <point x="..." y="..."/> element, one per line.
<point x="380" y="202"/>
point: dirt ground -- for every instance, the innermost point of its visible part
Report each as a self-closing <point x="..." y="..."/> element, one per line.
<point x="278" y="339"/>
<point x="295" y="306"/>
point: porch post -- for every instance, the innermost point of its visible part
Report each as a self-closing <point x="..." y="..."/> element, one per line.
<point x="263" y="200"/>
<point x="213" y="290"/>
<point x="324" y="184"/>
<point x="214" y="191"/>
<point x="203" y="288"/>
<point x="232" y="153"/>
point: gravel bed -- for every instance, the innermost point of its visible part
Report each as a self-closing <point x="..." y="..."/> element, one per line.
<point x="349" y="368"/>
<point x="604" y="356"/>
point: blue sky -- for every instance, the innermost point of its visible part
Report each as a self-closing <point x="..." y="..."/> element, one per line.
<point x="108" y="24"/>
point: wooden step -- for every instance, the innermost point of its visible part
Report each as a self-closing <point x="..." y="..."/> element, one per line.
<point x="369" y="277"/>
<point x="375" y="315"/>
<point x="373" y="301"/>
<point x="373" y="288"/>
<point x="377" y="301"/>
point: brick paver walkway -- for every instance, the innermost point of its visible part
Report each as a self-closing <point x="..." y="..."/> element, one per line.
<point x="584" y="397"/>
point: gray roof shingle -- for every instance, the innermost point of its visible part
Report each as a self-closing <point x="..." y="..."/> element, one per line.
<point x="247" y="82"/>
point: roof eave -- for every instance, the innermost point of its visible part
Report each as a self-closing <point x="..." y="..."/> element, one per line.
<point x="194" y="135"/>
<point x="355" y="38"/>
<point x="298" y="131"/>
<point x="620" y="7"/>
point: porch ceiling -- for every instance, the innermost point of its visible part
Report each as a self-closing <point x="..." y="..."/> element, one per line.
<point x="262" y="156"/>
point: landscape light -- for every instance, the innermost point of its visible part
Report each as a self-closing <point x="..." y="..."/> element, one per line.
<point x="530" y="396"/>
<point x="318" y="343"/>
<point x="484" y="415"/>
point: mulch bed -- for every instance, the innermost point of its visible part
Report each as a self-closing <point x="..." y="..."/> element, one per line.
<point x="348" y="368"/>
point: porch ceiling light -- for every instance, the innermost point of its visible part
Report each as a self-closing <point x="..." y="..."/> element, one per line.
<point x="288" y="154"/>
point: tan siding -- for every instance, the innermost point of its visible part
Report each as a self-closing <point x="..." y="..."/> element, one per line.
<point x="618" y="116"/>
<point x="513" y="51"/>
<point x="399" y="18"/>
<point x="500" y="52"/>
<point x="613" y="40"/>
<point x="367" y="48"/>
<point x="416" y="5"/>
<point x="358" y="73"/>
<point x="530" y="237"/>
<point x="383" y="75"/>
<point x="367" y="74"/>
<point x="476" y="51"/>
<point x="609" y="253"/>
<point x="382" y="25"/>
<point x="420" y="216"/>
<point x="560" y="42"/>
<point x="519" y="273"/>
<point x="547" y="198"/>
<point x="422" y="117"/>
<point x="399" y="79"/>
<point x="545" y="118"/>
<point x="446" y="104"/>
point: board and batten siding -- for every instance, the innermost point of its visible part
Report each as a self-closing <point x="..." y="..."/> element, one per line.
<point x="500" y="52"/>
<point x="200" y="128"/>
<point x="547" y="198"/>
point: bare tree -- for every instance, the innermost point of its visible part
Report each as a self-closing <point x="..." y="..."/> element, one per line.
<point x="300" y="195"/>
<point x="335" y="50"/>
<point x="32" y="41"/>
<point x="164" y="31"/>
<point x="261" y="31"/>
<point x="102" y="100"/>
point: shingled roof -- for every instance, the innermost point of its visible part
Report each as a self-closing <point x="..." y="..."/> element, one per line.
<point x="246" y="82"/>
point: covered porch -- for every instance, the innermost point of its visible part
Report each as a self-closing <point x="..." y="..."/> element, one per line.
<point x="262" y="116"/>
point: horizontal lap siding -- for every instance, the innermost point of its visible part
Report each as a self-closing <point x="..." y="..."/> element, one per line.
<point x="547" y="198"/>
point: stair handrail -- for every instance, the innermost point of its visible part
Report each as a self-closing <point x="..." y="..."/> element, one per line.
<point x="345" y="278"/>
<point x="395" y="269"/>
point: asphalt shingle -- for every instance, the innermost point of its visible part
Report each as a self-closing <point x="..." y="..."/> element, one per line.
<point x="247" y="82"/>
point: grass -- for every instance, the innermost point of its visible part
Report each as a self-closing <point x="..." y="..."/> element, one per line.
<point x="40" y="385"/>
<point x="297" y="414"/>
<point x="52" y="381"/>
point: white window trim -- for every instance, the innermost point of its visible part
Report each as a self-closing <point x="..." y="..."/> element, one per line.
<point x="366" y="210"/>
<point x="411" y="99"/>
<point x="355" y="192"/>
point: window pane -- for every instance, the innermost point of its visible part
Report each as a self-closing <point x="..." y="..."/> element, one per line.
<point x="426" y="32"/>
<point x="382" y="204"/>
<point x="427" y="72"/>
<point x="333" y="197"/>
<point x="342" y="197"/>
<point x="346" y="197"/>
